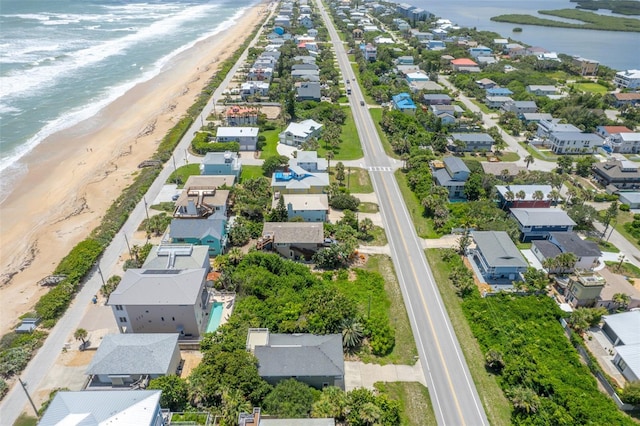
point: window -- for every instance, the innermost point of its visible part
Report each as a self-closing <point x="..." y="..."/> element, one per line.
<point x="119" y="308"/>
<point x="123" y="319"/>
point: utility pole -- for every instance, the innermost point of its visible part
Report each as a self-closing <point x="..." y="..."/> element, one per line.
<point x="126" y="240"/>
<point x="175" y="169"/>
<point x="24" y="387"/>
<point x="146" y="210"/>
<point x="100" y="273"/>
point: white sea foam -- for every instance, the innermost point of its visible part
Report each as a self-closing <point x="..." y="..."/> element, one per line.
<point x="25" y="82"/>
<point x="84" y="112"/>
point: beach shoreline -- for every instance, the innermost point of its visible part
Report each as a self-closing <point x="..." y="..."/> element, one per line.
<point x="74" y="175"/>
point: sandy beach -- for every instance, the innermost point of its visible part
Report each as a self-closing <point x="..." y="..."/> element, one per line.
<point x="74" y="175"/>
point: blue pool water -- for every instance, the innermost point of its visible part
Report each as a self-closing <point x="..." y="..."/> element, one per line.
<point x="214" y="317"/>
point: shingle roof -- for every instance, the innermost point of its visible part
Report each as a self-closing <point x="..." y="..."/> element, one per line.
<point x="159" y="287"/>
<point x="100" y="408"/>
<point x="498" y="249"/>
<point x="295" y="232"/>
<point x="572" y="243"/>
<point x="547" y="248"/>
<point x="542" y="217"/>
<point x="144" y="353"/>
<point x="301" y="355"/>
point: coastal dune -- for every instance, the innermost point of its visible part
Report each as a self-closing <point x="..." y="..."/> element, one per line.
<point x="73" y="176"/>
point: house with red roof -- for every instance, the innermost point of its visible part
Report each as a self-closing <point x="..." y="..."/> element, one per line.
<point x="461" y="63"/>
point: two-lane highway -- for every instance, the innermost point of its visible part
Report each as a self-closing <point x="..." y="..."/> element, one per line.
<point x="453" y="393"/>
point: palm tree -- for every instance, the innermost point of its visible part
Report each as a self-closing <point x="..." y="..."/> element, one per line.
<point x="550" y="263"/>
<point x="81" y="334"/>
<point x="529" y="159"/>
<point x="233" y="403"/>
<point x="352" y="334"/>
<point x="370" y="413"/>
<point x="524" y="399"/>
<point x="332" y="403"/>
<point x="365" y="225"/>
<point x="508" y="198"/>
<point x="235" y="255"/>
<point x="329" y="156"/>
<point x="504" y="175"/>
<point x="622" y="300"/>
<point x="554" y="196"/>
<point x="537" y="196"/>
<point x="494" y="360"/>
<point x="521" y="195"/>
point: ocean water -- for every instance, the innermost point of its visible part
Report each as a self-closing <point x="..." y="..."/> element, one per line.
<point x="618" y="50"/>
<point x="61" y="61"/>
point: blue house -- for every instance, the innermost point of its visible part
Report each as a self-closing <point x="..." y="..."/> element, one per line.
<point x="536" y="224"/>
<point x="499" y="91"/>
<point x="211" y="232"/>
<point x="435" y="44"/>
<point x="221" y="163"/>
<point x="497" y="257"/>
<point x="480" y="51"/>
<point x="403" y="102"/>
<point x="451" y="173"/>
<point x="308" y="207"/>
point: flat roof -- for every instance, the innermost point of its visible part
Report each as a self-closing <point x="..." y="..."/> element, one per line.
<point x="304" y="202"/>
<point x="176" y="256"/>
<point x="237" y="132"/>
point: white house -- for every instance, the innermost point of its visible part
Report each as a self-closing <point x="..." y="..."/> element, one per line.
<point x="298" y="133"/>
<point x="247" y="137"/>
<point x="574" y="142"/>
<point x="629" y="79"/>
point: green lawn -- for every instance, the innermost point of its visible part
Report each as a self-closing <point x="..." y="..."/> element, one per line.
<point x="350" y="148"/>
<point x="605" y="245"/>
<point x="483" y="107"/>
<point x="415" y="404"/>
<point x="25" y="420"/>
<point x="270" y="147"/>
<point x="250" y="172"/>
<point x="591" y="88"/>
<point x="404" y="351"/>
<point x="625" y="217"/>
<point x="183" y="173"/>
<point x="357" y="180"/>
<point x="547" y="156"/>
<point x="626" y="269"/>
<point x="508" y="157"/>
<point x="376" y="115"/>
<point x="423" y="225"/>
<point x="378" y="237"/>
<point x="367" y="207"/>
<point x="496" y="405"/>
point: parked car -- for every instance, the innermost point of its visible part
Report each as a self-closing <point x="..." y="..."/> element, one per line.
<point x="175" y="197"/>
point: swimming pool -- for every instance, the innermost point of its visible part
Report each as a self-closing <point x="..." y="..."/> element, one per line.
<point x="214" y="317"/>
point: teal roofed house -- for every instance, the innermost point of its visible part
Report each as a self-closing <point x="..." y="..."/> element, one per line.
<point x="403" y="102"/>
<point x="211" y="232"/>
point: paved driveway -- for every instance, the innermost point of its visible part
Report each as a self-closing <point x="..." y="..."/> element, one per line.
<point x="360" y="375"/>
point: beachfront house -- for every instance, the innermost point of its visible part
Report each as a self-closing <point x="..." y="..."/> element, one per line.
<point x="177" y="256"/>
<point x="202" y="197"/>
<point x="311" y="359"/>
<point x="247" y="137"/>
<point x="161" y="301"/>
<point x="104" y="407"/>
<point x="622" y="331"/>
<point x="624" y="143"/>
<point x="210" y="232"/>
<point x="537" y="224"/>
<point x="497" y="257"/>
<point x="292" y="240"/>
<point x="254" y="88"/>
<point x="131" y="360"/>
<point x="241" y="116"/>
<point x="469" y="142"/>
<point x="308" y="207"/>
<point x="221" y="163"/>
<point x="298" y="133"/>
<point x="451" y="173"/>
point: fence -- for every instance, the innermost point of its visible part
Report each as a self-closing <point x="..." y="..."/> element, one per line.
<point x="601" y="378"/>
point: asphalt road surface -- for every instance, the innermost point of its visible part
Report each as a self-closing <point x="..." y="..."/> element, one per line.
<point x="453" y="393"/>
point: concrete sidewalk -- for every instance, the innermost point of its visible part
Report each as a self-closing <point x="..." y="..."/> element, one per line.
<point x="360" y="375"/>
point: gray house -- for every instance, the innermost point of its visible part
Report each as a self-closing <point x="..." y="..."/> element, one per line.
<point x="116" y="407"/>
<point x="470" y="142"/>
<point x="537" y="224"/>
<point x="311" y="359"/>
<point x="221" y="163"/>
<point x="293" y="240"/>
<point x="308" y="91"/>
<point x="177" y="256"/>
<point x="497" y="257"/>
<point x="161" y="301"/>
<point x="133" y="359"/>
<point x="452" y="174"/>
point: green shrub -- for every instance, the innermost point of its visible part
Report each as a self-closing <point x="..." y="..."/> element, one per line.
<point x="342" y="201"/>
<point x="624" y="207"/>
<point x="171" y="140"/>
<point x="7" y="340"/>
<point x="4" y="388"/>
<point x="79" y="261"/>
<point x="204" y="147"/>
<point x="53" y="304"/>
<point x="30" y="341"/>
<point x="13" y="361"/>
<point x="604" y="197"/>
<point x="631" y="393"/>
<point x="382" y="337"/>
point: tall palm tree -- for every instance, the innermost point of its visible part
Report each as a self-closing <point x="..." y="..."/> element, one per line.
<point x="329" y="156"/>
<point x="622" y="300"/>
<point x="529" y="159"/>
<point x="537" y="196"/>
<point x="233" y="403"/>
<point x="508" y="197"/>
<point x="521" y="195"/>
<point x="554" y="196"/>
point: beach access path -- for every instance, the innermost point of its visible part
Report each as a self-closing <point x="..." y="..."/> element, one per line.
<point x="15" y="401"/>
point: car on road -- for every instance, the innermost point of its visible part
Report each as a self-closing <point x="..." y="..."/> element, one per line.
<point x="361" y="103"/>
<point x="348" y="81"/>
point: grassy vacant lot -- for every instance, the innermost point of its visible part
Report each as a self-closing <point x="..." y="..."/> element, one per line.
<point x="424" y="226"/>
<point x="183" y="173"/>
<point x="378" y="237"/>
<point x="376" y="115"/>
<point x="350" y="148"/>
<point x="626" y="217"/>
<point x="546" y="156"/>
<point x="405" y="351"/>
<point x="591" y="88"/>
<point x="496" y="405"/>
<point x="591" y="21"/>
<point x="270" y="147"/>
<point x="250" y="172"/>
<point x="357" y="180"/>
<point x="415" y="404"/>
<point x="483" y="107"/>
<point x="367" y="207"/>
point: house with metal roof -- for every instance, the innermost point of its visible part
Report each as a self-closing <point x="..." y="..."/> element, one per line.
<point x="222" y="163"/>
<point x="470" y="142"/>
<point x="632" y="199"/>
<point x="298" y="133"/>
<point x="255" y="418"/>
<point x="299" y="181"/>
<point x="518" y="196"/>
<point x="98" y="408"/>
<point x="161" y="301"/>
<point x="177" y="256"/>
<point x="497" y="101"/>
<point x="309" y="161"/>
<point x="497" y="257"/>
<point x="546" y="127"/>
<point x="315" y="360"/>
<point x="451" y="173"/>
<point x="437" y="99"/>
<point x="498" y="91"/>
<point x="247" y="137"/>
<point x="541" y="90"/>
<point x="292" y="240"/>
<point x="587" y="252"/>
<point x="622" y="330"/>
<point x="617" y="175"/>
<point x="520" y="107"/>
<point x="210" y="232"/>
<point x="308" y="207"/>
<point x="202" y="197"/>
<point x="535" y="117"/>
<point x="574" y="142"/>
<point x="402" y="102"/>
<point x="536" y="224"/>
<point x="131" y="360"/>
